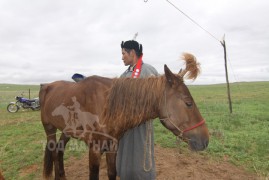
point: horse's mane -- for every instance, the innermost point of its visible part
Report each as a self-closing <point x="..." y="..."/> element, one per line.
<point x="130" y="101"/>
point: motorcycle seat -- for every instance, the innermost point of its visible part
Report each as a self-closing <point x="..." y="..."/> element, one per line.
<point x="29" y="100"/>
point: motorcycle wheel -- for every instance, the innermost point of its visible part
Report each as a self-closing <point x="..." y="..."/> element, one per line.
<point x="12" y="108"/>
<point x="36" y="108"/>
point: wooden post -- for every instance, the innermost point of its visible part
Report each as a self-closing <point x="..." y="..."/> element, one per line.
<point x="226" y="71"/>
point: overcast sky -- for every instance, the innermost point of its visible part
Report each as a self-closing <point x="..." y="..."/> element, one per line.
<point x="48" y="40"/>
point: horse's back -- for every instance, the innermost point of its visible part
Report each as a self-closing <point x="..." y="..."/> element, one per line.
<point x="92" y="84"/>
<point x="57" y="87"/>
<point x="88" y="92"/>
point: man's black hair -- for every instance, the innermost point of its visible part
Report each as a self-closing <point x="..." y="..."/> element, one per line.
<point x="132" y="44"/>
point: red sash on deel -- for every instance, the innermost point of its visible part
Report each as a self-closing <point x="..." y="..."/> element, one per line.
<point x="137" y="70"/>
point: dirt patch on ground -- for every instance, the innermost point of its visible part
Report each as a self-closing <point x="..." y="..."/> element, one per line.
<point x="1" y="176"/>
<point x="28" y="170"/>
<point x="171" y="164"/>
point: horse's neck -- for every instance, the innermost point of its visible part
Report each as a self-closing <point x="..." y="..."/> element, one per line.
<point x="145" y="120"/>
<point x="136" y="109"/>
<point x="117" y="129"/>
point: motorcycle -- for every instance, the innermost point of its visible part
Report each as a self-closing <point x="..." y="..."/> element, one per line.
<point x="33" y="104"/>
<point x="24" y="103"/>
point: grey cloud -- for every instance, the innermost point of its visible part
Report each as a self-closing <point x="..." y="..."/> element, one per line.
<point x="57" y="38"/>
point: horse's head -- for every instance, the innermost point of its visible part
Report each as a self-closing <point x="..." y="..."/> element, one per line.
<point x="178" y="111"/>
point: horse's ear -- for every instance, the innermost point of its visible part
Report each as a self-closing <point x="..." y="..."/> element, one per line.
<point x="170" y="77"/>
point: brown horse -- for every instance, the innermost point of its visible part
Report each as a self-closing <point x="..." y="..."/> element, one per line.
<point x="119" y="104"/>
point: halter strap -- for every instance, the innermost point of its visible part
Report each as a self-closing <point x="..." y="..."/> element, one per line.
<point x="181" y="132"/>
<point x="195" y="126"/>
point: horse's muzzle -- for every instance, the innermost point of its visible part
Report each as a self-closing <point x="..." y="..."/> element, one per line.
<point x="198" y="143"/>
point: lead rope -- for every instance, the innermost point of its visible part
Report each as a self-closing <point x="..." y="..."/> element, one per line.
<point x="149" y="146"/>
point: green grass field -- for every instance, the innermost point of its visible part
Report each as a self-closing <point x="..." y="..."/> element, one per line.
<point x="241" y="137"/>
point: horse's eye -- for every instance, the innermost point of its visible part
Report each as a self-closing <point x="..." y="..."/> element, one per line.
<point x="188" y="104"/>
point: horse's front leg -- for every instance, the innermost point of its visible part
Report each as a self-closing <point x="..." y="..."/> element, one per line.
<point x="60" y="148"/>
<point x="111" y="165"/>
<point x="94" y="163"/>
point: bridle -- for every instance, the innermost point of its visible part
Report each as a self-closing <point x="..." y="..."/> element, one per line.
<point x="181" y="132"/>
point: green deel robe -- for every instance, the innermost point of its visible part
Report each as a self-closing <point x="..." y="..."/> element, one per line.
<point x="133" y="162"/>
